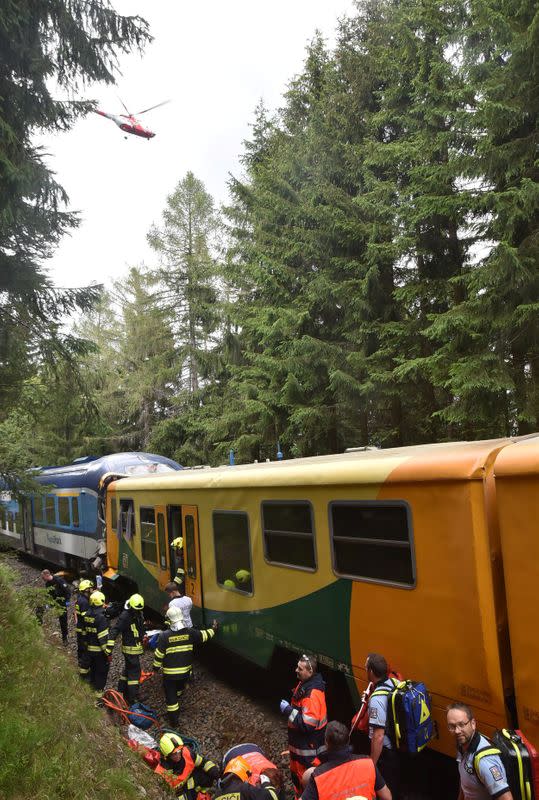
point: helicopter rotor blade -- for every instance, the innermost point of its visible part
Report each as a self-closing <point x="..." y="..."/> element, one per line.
<point x="152" y="107"/>
<point x="124" y="105"/>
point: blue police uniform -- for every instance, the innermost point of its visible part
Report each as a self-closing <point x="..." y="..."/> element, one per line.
<point x="489" y="779"/>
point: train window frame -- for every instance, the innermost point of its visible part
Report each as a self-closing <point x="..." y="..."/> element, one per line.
<point x="161" y="540"/>
<point x="297" y="534"/>
<point x="125" y="533"/>
<point x="244" y="514"/>
<point x="392" y="543"/>
<point x="113" y="513"/>
<point x="48" y="506"/>
<point x="63" y="503"/>
<point x="189" y="548"/>
<point x="143" y="540"/>
<point x="75" y="517"/>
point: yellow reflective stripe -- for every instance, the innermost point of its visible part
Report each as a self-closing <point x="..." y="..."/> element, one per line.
<point x="103" y="635"/>
<point x="395" y="723"/>
<point x="524" y="792"/>
<point x="488" y="751"/>
<point x="176" y="670"/>
<point x="133" y="651"/>
<point x="180" y="648"/>
<point x="159" y="654"/>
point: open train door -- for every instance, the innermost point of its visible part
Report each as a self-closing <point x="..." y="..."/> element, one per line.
<point x="162" y="546"/>
<point x="191" y="547"/>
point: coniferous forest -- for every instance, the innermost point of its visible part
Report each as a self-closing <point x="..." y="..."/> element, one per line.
<point x="373" y="279"/>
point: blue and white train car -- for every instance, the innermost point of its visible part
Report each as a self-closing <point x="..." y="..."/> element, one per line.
<point x="65" y="525"/>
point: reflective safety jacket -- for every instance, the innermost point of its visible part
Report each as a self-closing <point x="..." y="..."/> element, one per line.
<point x="307" y="720"/>
<point x="81" y="607"/>
<point x="174" y="651"/>
<point x="343" y="774"/>
<point x="130" y="624"/>
<point x="236" y="789"/>
<point x="191" y="774"/>
<point x="254" y="756"/>
<point x="96" y="630"/>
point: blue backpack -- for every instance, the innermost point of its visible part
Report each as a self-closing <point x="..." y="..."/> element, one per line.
<point x="142" y="716"/>
<point x="411" y="726"/>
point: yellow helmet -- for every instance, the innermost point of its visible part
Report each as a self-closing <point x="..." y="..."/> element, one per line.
<point x="229" y="583"/>
<point x="85" y="584"/>
<point x="169" y="743"/>
<point x="238" y="766"/>
<point x="136" y="602"/>
<point x="97" y="599"/>
<point x="178" y="542"/>
<point x="243" y="576"/>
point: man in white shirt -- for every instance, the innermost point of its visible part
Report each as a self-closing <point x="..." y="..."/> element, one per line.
<point x="179" y="600"/>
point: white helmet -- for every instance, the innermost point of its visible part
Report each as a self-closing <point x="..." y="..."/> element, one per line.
<point x="174" y="615"/>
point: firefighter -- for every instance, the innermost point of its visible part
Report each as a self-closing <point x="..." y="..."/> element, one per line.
<point x="236" y="783"/>
<point x="307" y="720"/>
<point x="96" y="632"/>
<point x="184" y="770"/>
<point x="130" y="624"/>
<point x="343" y="774"/>
<point x="179" y="578"/>
<point x="174" y="655"/>
<point x="60" y="593"/>
<point x="82" y="604"/>
<point x="253" y="756"/>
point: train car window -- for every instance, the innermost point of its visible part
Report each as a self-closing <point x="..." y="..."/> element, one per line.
<point x="9" y="522"/>
<point x="63" y="511"/>
<point x="372" y="541"/>
<point x="148" y="537"/>
<point x="50" y="510"/>
<point x="113" y="514"/>
<point x="75" y="511"/>
<point x="127" y="518"/>
<point x="289" y="534"/>
<point x="190" y="546"/>
<point x="232" y="551"/>
<point x="162" y="541"/>
<point x="18" y="522"/>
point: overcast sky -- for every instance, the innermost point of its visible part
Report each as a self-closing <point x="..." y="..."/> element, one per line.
<point x="214" y="59"/>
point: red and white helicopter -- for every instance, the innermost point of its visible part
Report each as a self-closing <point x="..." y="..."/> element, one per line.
<point x="128" y="122"/>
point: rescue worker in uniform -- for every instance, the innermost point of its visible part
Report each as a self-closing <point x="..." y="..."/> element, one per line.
<point x="96" y="632"/>
<point x="254" y="758"/>
<point x="307" y="720"/>
<point x="184" y="770"/>
<point x="174" y="655"/>
<point x="60" y="594"/>
<point x="481" y="777"/>
<point x="179" y="578"/>
<point x="383" y="752"/>
<point x="342" y="773"/>
<point x="82" y="604"/>
<point x="236" y="783"/>
<point x="130" y="624"/>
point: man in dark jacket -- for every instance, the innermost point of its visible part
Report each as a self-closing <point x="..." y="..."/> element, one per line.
<point x="130" y="624"/>
<point x="60" y="593"/>
<point x="307" y="720"/>
<point x="174" y="655"/>
<point x="343" y="774"/>
<point x="184" y="770"/>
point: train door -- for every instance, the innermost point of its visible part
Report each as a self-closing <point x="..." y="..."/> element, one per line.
<point x="174" y="519"/>
<point x="162" y="546"/>
<point x="191" y="547"/>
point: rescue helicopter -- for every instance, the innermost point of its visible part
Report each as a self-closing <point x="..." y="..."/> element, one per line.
<point x="128" y="122"/>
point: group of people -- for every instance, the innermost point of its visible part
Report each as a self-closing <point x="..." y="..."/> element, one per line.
<point x="322" y="764"/>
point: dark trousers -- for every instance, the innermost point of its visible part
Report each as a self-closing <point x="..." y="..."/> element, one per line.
<point x="173" y="689"/>
<point x="129" y="681"/>
<point x="62" y="619"/>
<point x="83" y="657"/>
<point x="389" y="766"/>
<point x="99" y="670"/>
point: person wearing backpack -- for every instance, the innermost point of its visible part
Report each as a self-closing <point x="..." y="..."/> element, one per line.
<point x="60" y="593"/>
<point x="383" y="752"/>
<point x="481" y="776"/>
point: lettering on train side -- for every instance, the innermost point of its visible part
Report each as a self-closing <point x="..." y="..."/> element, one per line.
<point x="473" y="693"/>
<point x="530" y="714"/>
<point x="52" y="539"/>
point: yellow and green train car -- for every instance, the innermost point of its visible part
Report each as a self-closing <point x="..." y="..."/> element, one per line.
<point x="391" y="551"/>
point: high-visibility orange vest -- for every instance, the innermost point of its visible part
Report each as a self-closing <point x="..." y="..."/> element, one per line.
<point x="353" y="778"/>
<point x="257" y="763"/>
<point x="176" y="779"/>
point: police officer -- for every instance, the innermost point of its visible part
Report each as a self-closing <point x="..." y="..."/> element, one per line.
<point x="60" y="593"/>
<point x="130" y="624"/>
<point x="174" y="655"/>
<point x="96" y="632"/>
<point x="343" y="774"/>
<point x="383" y="752"/>
<point x="179" y="578"/>
<point x="236" y="783"/>
<point x="82" y="604"/>
<point x="307" y="720"/>
<point x="481" y="777"/>
<point x="184" y="770"/>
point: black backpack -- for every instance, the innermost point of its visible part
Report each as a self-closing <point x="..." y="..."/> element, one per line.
<point x="515" y="757"/>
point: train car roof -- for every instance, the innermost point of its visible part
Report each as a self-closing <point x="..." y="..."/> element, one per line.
<point x="428" y="462"/>
<point x="522" y="458"/>
<point x="86" y="472"/>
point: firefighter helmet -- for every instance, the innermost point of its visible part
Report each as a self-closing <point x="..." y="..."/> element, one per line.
<point x="178" y="542"/>
<point x="85" y="584"/>
<point x="238" y="766"/>
<point x="169" y="743"/>
<point x="136" y="602"/>
<point x="229" y="583"/>
<point x="97" y="599"/>
<point x="243" y="576"/>
<point x="174" y="614"/>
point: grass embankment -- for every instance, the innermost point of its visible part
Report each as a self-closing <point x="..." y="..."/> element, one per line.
<point x="53" y="742"/>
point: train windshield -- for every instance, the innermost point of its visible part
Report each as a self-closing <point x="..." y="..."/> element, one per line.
<point x="150" y="468"/>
